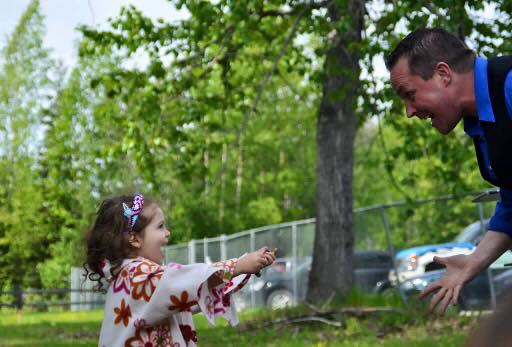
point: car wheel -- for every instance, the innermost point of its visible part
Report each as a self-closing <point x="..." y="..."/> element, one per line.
<point x="279" y="299"/>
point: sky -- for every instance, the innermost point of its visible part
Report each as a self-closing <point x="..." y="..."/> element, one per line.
<point x="63" y="16"/>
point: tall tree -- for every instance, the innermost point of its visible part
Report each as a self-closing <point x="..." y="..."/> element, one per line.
<point x="336" y="130"/>
<point x="29" y="78"/>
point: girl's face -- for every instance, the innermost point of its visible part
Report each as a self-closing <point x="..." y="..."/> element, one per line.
<point x="155" y="236"/>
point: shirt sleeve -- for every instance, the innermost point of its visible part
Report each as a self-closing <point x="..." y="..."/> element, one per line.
<point x="501" y="221"/>
<point x="174" y="288"/>
<point x="218" y="301"/>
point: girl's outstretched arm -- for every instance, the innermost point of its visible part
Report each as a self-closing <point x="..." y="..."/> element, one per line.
<point x="250" y="263"/>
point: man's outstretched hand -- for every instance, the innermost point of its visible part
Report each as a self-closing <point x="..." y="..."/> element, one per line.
<point x="448" y="287"/>
<point x="460" y="269"/>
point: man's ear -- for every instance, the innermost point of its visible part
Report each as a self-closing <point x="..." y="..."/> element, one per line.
<point x="134" y="240"/>
<point x="444" y="71"/>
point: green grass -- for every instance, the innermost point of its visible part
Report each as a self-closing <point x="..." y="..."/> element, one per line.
<point x="406" y="328"/>
<point x="57" y="329"/>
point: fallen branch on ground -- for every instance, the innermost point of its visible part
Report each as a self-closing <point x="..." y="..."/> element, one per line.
<point x="325" y="317"/>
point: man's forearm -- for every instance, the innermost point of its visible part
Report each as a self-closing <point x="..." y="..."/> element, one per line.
<point x="493" y="245"/>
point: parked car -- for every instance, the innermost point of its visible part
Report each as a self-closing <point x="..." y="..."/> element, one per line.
<point x="476" y="294"/>
<point x="275" y="286"/>
<point x="415" y="261"/>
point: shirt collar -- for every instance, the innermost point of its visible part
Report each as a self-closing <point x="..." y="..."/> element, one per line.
<point x="483" y="100"/>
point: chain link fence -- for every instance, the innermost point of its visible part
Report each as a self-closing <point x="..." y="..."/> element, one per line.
<point x="382" y="229"/>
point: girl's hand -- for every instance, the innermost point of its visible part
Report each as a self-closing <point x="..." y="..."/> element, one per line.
<point x="253" y="262"/>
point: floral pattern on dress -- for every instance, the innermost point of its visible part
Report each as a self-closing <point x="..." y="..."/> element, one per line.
<point x="182" y="303"/>
<point x="157" y="311"/>
<point x="188" y="333"/>
<point x="139" y="323"/>
<point x="122" y="281"/>
<point x="145" y="279"/>
<point x="158" y="336"/>
<point x="227" y="269"/>
<point x="123" y="313"/>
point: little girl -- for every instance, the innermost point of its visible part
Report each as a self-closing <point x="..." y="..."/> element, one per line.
<point x="147" y="303"/>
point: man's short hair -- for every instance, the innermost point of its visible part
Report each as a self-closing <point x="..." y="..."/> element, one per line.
<point x="425" y="47"/>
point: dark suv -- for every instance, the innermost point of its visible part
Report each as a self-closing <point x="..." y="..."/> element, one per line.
<point x="275" y="286"/>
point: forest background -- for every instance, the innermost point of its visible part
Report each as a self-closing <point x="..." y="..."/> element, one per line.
<point x="220" y="125"/>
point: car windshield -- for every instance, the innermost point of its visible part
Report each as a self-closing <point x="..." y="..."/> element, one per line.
<point x="471" y="233"/>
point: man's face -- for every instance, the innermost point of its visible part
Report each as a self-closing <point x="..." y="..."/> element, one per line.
<point x="427" y="99"/>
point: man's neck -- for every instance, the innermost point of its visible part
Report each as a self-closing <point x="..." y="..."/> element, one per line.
<point x="467" y="98"/>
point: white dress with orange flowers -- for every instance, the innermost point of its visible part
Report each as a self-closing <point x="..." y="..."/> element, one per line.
<point x="148" y="304"/>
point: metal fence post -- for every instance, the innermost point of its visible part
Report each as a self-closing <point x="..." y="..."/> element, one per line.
<point x="492" y="291"/>
<point x="191" y="252"/>
<point x="392" y="250"/>
<point x="166" y="255"/>
<point x="205" y="250"/>
<point x="294" y="262"/>
<point x="481" y="216"/>
<point x="252" y="241"/>
<point x="223" y="252"/>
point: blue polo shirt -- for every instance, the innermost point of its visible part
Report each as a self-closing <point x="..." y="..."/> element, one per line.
<point x="502" y="219"/>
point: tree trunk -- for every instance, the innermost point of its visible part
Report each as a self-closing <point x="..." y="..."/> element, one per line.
<point x="332" y="269"/>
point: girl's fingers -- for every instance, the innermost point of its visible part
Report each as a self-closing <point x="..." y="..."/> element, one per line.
<point x="263" y="249"/>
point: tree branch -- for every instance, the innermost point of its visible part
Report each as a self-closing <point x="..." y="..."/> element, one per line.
<point x="296" y="10"/>
<point x="325" y="317"/>
<point x="262" y="85"/>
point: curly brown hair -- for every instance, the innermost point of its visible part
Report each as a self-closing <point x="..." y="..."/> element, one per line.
<point x="109" y="237"/>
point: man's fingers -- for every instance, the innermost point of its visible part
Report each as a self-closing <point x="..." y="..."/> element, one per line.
<point x="440" y="261"/>
<point x="430" y="289"/>
<point x="456" y="293"/>
<point x="436" y="299"/>
<point x="446" y="301"/>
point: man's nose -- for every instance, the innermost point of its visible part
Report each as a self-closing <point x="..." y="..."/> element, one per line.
<point x="410" y="110"/>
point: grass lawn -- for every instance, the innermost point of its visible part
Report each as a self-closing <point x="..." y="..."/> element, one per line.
<point x="58" y="329"/>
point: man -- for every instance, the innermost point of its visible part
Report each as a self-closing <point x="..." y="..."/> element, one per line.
<point x="440" y="79"/>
